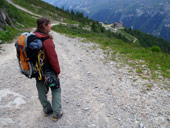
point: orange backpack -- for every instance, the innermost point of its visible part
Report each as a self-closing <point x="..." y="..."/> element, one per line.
<point x="30" y="55"/>
<point x="23" y="56"/>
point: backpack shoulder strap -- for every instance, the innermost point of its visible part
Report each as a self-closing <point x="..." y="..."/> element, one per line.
<point x="44" y="38"/>
<point x="27" y="35"/>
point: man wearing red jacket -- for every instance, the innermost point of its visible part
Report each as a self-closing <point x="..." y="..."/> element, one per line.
<point x="51" y="70"/>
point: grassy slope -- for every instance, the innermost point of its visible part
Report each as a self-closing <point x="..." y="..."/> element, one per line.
<point x="39" y="7"/>
<point x="21" y="21"/>
<point x="127" y="35"/>
<point x="44" y="9"/>
<point x="155" y="61"/>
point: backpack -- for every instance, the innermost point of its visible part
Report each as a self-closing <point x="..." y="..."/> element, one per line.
<point x="30" y="54"/>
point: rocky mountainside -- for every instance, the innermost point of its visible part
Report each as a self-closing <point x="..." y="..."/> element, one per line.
<point x="150" y="16"/>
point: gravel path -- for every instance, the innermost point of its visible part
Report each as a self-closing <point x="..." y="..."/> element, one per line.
<point x="95" y="94"/>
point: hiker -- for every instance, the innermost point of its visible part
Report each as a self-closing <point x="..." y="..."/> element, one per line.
<point x="51" y="71"/>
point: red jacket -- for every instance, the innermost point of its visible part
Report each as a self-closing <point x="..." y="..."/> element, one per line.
<point x="51" y="54"/>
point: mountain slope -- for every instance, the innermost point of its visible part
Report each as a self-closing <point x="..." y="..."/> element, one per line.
<point x="150" y="16"/>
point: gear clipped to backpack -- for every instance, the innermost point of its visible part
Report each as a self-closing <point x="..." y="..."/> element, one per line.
<point x="30" y="54"/>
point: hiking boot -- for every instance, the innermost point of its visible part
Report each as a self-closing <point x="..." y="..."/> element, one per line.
<point x="48" y="112"/>
<point x="57" y="116"/>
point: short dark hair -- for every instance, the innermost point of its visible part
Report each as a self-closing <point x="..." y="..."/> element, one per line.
<point x="40" y="23"/>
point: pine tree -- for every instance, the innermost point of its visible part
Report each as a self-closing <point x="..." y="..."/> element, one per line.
<point x="72" y="12"/>
<point x="93" y="27"/>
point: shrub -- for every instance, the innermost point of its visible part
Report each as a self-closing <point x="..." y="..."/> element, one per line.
<point x="155" y="49"/>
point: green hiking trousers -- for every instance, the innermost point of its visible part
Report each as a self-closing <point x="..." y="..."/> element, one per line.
<point x="56" y="96"/>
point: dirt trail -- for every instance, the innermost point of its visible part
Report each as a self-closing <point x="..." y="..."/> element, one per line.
<point x="94" y="94"/>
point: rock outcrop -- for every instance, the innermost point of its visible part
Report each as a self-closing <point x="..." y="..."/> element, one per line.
<point x="4" y="19"/>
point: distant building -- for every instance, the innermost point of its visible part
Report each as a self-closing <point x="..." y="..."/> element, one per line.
<point x="101" y="23"/>
<point x="117" y="25"/>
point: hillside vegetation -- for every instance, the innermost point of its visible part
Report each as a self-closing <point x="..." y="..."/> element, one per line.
<point x="20" y="19"/>
<point x="47" y="10"/>
<point x="153" y="59"/>
<point x="147" y="40"/>
<point x="76" y="25"/>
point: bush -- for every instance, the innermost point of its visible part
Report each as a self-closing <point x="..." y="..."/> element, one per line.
<point x="155" y="49"/>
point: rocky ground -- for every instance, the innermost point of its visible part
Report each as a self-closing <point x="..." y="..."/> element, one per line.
<point x="96" y="92"/>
